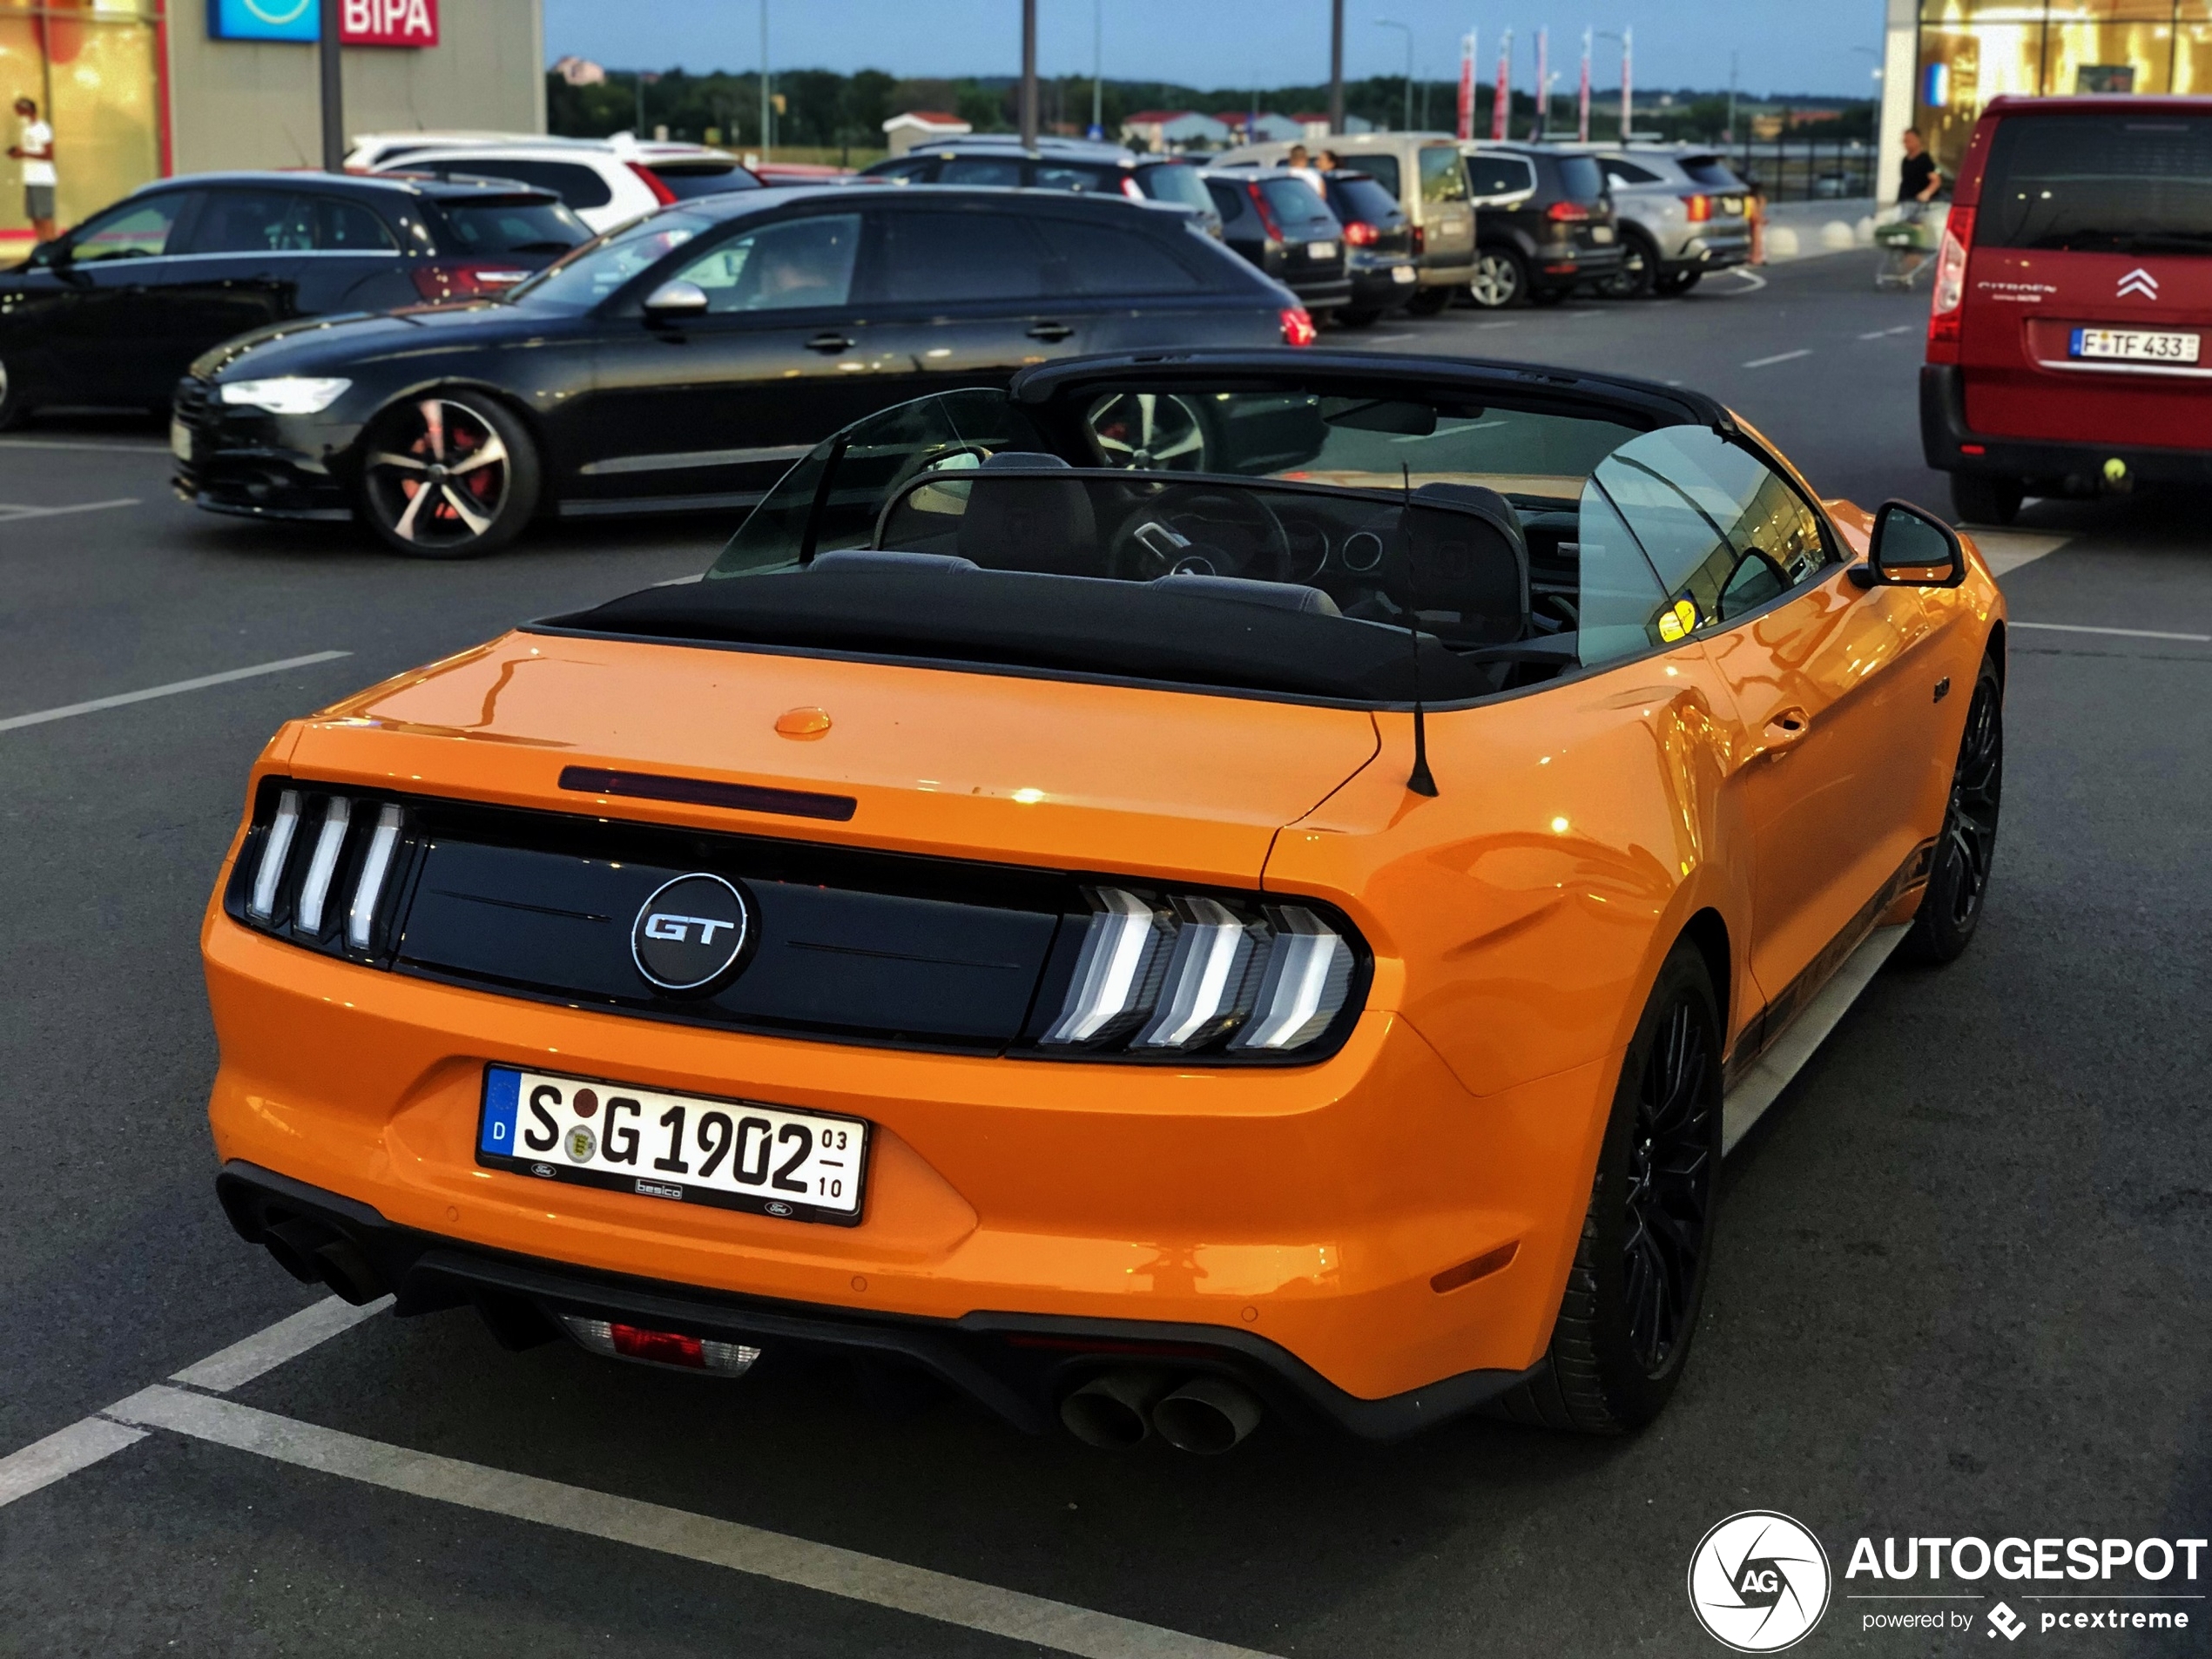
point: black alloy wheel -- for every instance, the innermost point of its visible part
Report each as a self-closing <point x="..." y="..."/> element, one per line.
<point x="1639" y="270"/>
<point x="1499" y="279"/>
<point x="1149" y="432"/>
<point x="1633" y="1294"/>
<point x="448" y="475"/>
<point x="1428" y="302"/>
<point x="11" y="402"/>
<point x="1978" y="498"/>
<point x="1958" y="873"/>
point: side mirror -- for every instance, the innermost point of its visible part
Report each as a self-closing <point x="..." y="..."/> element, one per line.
<point x="673" y="301"/>
<point x="1911" y="549"/>
<point x="47" y="255"/>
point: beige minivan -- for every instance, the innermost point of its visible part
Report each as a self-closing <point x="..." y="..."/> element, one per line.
<point x="1423" y="171"/>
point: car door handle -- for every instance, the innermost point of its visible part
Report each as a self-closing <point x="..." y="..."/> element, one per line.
<point x="1049" y="331"/>
<point x="830" y="342"/>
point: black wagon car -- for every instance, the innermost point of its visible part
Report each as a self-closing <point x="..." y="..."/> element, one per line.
<point x="1053" y="164"/>
<point x="1544" y="224"/>
<point x="1278" y="221"/>
<point x="1377" y="245"/>
<point x="684" y="360"/>
<point x="111" y="313"/>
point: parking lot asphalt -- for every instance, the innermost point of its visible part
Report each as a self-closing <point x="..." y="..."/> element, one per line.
<point x="1964" y="1281"/>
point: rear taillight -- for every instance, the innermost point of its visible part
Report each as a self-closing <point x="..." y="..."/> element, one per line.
<point x="1297" y="327"/>
<point x="1359" y="233"/>
<point x="1130" y="189"/>
<point x="1948" y="308"/>
<point x="662" y="193"/>
<point x="321" y="869"/>
<point x="1421" y="239"/>
<point x="1701" y="208"/>
<point x="1569" y="213"/>
<point x="1267" y="220"/>
<point x="442" y="280"/>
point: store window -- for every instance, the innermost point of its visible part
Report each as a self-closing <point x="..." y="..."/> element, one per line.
<point x="93" y="68"/>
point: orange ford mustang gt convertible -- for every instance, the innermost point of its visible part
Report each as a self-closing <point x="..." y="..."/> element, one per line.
<point x="1191" y="889"/>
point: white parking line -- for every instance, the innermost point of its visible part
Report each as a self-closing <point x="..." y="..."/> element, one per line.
<point x="1887" y="333"/>
<point x="1780" y="357"/>
<point x="9" y="512"/>
<point x="1390" y="339"/>
<point x="72" y="443"/>
<point x="61" y="1454"/>
<point x="823" y="1567"/>
<point x="2125" y="633"/>
<point x="1749" y="275"/>
<point x="120" y="699"/>
<point x="265" y="1350"/>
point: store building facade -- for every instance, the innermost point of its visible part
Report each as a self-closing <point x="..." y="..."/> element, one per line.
<point x="1945" y="59"/>
<point x="137" y="90"/>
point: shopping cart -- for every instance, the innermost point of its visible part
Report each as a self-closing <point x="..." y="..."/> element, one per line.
<point x="1907" y="243"/>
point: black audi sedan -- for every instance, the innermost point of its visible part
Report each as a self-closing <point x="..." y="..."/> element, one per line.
<point x="113" y="312"/>
<point x="687" y="358"/>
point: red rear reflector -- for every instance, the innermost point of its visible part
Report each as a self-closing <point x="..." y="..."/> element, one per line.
<point x="668" y="1347"/>
<point x="1973" y="449"/>
<point x="1574" y="211"/>
<point x="662" y="193"/>
<point x="1359" y="233"/>
<point x="1297" y="327"/>
<point x="1701" y="208"/>
<point x="1481" y="1267"/>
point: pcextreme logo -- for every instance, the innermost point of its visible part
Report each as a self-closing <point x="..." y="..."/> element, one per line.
<point x="1758" y="1581"/>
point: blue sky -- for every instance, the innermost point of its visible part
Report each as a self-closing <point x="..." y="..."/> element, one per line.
<point x="1783" y="45"/>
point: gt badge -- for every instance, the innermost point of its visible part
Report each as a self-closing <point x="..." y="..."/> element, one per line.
<point x="689" y="933"/>
<point x="580" y="1144"/>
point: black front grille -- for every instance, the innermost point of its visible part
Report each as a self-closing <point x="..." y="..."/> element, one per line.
<point x="842" y="944"/>
<point x="194" y="401"/>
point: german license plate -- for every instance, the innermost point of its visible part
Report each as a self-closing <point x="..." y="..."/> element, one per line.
<point x="2134" y="345"/>
<point x="1601" y="234"/>
<point x="1732" y="207"/>
<point x="180" y="439"/>
<point x="1320" y="249"/>
<point x="1401" y="274"/>
<point x="684" y="1149"/>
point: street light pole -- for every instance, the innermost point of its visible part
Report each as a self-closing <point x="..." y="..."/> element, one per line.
<point x="768" y="103"/>
<point x="1336" y="66"/>
<point x="1097" y="68"/>
<point x="1029" y="101"/>
<point x="1407" y="28"/>
<point x="330" y="66"/>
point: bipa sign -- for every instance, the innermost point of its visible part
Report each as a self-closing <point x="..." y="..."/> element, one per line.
<point x="389" y="22"/>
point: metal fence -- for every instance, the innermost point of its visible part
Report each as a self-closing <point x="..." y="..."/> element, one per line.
<point x="1800" y="168"/>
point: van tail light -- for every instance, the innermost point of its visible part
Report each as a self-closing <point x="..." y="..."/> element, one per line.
<point x="1359" y="233"/>
<point x="1568" y="212"/>
<point x="1267" y="220"/>
<point x="1130" y="189"/>
<point x="1420" y="240"/>
<point x="1947" y="308"/>
<point x="662" y="193"/>
<point x="1297" y="327"/>
<point x="442" y="280"/>
<point x="1701" y="208"/>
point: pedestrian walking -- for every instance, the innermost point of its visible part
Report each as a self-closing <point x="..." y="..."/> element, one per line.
<point x="1917" y="175"/>
<point x="35" y="149"/>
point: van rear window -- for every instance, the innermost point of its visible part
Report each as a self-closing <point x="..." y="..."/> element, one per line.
<point x="2099" y="184"/>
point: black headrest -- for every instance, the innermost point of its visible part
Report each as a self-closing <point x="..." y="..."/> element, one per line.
<point x="1469" y="562"/>
<point x="1283" y="596"/>
<point x="1040" y="524"/>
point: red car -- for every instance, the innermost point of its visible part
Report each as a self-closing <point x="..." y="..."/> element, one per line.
<point x="2073" y="299"/>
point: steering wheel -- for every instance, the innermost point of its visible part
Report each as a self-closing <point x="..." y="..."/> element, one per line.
<point x="1195" y="530"/>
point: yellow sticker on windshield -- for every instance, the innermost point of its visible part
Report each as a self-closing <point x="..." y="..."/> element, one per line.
<point x="1681" y="620"/>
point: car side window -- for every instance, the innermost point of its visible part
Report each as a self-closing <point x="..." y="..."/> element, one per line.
<point x="1489" y="176"/>
<point x="980" y="169"/>
<point x="254" y="221"/>
<point x="575" y="185"/>
<point x="1443" y="180"/>
<point x="944" y="258"/>
<point x="1626" y="172"/>
<point x="349" y="227"/>
<point x="1091" y="179"/>
<point x="1108" y="259"/>
<point x="794" y="264"/>
<point x="1228" y="200"/>
<point x="1716" y="531"/>
<point x="138" y="230"/>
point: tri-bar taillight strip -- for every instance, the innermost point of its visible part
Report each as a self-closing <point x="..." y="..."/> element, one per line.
<point x="312" y="904"/>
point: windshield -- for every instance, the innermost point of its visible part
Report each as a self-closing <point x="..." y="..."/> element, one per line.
<point x="2099" y="184"/>
<point x="1176" y="184"/>
<point x="1364" y="200"/>
<point x="1293" y="200"/>
<point x="709" y="179"/>
<point x="598" y="269"/>
<point x="526" y="226"/>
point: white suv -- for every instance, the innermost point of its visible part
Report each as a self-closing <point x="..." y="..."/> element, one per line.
<point x="605" y="182"/>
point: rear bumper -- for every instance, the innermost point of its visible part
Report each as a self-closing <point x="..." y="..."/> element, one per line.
<point x="2061" y="468"/>
<point x="1709" y="251"/>
<point x="1553" y="268"/>
<point x="1017" y="1365"/>
<point x="1315" y="292"/>
<point x="1376" y="284"/>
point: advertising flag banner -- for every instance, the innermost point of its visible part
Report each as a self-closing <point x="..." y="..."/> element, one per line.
<point x="1466" y="87"/>
<point x="1501" y="110"/>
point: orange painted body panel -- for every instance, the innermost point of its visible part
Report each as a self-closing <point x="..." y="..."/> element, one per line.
<point x="1517" y="920"/>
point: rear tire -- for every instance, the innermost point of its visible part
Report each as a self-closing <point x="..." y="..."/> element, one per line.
<point x="1365" y="317"/>
<point x="1428" y="302"/>
<point x="1639" y="273"/>
<point x="1671" y="287"/>
<point x="12" y="405"/>
<point x="451" y="475"/>
<point x="1501" y="280"/>
<point x="1958" y="876"/>
<point x="1978" y="498"/>
<point x="1631" y="1307"/>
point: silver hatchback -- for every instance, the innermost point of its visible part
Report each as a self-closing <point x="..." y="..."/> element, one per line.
<point x="1682" y="212"/>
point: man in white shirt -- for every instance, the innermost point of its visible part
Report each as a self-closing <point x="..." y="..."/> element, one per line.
<point x="35" y="151"/>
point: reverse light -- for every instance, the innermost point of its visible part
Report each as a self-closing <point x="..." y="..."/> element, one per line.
<point x="1359" y="233"/>
<point x="662" y="193"/>
<point x="1700" y="208"/>
<point x="619" y="1341"/>
<point x="1297" y="327"/>
<point x="1184" y="972"/>
<point x="285" y="394"/>
<point x="1946" y="307"/>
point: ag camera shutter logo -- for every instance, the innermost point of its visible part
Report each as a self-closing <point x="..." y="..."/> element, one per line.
<point x="1759" y="1581"/>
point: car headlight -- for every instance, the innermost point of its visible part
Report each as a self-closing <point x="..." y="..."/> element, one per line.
<point x="284" y="395"/>
<point x="1176" y="973"/>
